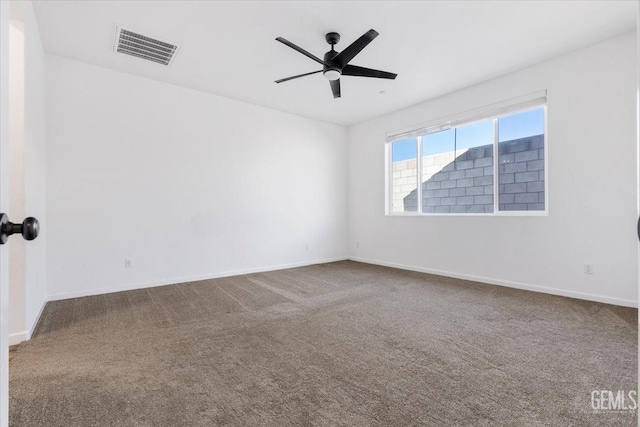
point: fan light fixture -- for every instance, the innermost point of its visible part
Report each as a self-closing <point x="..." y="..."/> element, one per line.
<point x="332" y="75"/>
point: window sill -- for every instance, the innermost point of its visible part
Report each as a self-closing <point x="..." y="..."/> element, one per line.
<point x="498" y="214"/>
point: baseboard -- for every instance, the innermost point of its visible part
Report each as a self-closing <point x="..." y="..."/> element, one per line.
<point x="34" y="324"/>
<point x="129" y="287"/>
<point x="487" y="280"/>
<point x="17" y="337"/>
<point x="508" y="284"/>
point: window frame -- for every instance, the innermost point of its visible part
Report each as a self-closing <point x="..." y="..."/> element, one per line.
<point x="496" y="193"/>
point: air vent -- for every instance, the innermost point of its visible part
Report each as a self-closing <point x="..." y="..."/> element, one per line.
<point x="144" y="47"/>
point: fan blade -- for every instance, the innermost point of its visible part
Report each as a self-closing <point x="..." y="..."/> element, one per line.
<point x="335" y="88"/>
<point x="301" y="50"/>
<point x="352" y="70"/>
<point x="299" y="75"/>
<point x="354" y="48"/>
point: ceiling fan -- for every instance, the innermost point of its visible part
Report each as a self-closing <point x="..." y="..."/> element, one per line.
<point x="336" y="64"/>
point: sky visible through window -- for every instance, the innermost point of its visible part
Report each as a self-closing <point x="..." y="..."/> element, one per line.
<point x="515" y="126"/>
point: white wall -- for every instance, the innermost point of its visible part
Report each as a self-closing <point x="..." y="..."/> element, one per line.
<point x="191" y="185"/>
<point x="187" y="184"/>
<point x="592" y="196"/>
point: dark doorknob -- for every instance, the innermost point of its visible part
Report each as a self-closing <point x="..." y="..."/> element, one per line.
<point x="29" y="228"/>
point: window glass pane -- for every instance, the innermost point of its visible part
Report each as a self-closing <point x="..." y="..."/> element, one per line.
<point x="521" y="125"/>
<point x="404" y="179"/>
<point x="438" y="155"/>
<point x="474" y="135"/>
<point x="521" y="162"/>
<point x="457" y="170"/>
<point x="474" y="156"/>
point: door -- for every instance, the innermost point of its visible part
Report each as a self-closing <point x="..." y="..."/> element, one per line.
<point x="4" y="199"/>
<point x="29" y="228"/>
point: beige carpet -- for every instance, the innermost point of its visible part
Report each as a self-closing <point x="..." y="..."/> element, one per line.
<point x="341" y="344"/>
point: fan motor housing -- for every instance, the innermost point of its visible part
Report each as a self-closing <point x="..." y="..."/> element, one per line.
<point x="328" y="59"/>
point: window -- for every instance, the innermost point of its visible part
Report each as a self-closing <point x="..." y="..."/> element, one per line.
<point x="521" y="169"/>
<point x="489" y="165"/>
<point x="457" y="170"/>
<point x="404" y="179"/>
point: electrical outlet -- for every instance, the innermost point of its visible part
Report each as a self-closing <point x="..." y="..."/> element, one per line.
<point x="357" y="244"/>
<point x="128" y="263"/>
<point x="588" y="268"/>
<point x="306" y="247"/>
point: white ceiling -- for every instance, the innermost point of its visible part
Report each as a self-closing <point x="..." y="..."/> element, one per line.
<point x="228" y="48"/>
